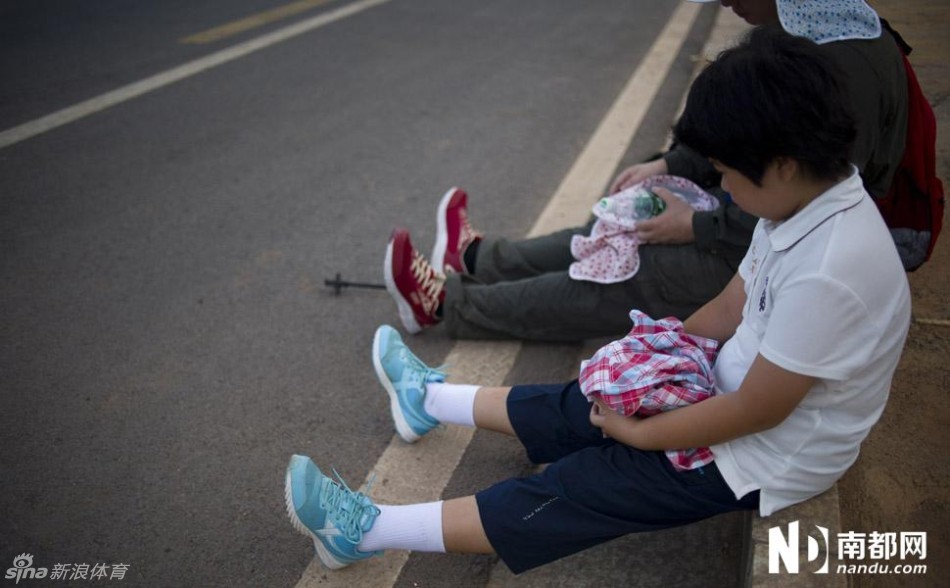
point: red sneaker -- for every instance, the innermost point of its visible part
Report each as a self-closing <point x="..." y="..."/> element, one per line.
<point x="454" y="233"/>
<point x="413" y="283"/>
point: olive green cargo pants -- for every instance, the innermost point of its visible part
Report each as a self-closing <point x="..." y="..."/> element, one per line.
<point x="521" y="290"/>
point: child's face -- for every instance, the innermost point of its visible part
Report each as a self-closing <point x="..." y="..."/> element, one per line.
<point x="771" y="200"/>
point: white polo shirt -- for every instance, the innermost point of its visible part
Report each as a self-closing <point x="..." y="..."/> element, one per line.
<point x="827" y="297"/>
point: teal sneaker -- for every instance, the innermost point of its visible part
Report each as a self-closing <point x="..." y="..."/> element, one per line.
<point x="404" y="377"/>
<point x="328" y="512"/>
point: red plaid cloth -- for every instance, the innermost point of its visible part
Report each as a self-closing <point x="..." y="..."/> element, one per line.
<point x="655" y="368"/>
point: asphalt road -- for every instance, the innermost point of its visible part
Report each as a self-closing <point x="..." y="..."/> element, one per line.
<point x="166" y="341"/>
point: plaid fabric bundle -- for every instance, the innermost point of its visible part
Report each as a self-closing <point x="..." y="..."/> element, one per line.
<point x="655" y="368"/>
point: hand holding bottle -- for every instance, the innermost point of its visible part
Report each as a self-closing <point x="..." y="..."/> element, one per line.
<point x="671" y="227"/>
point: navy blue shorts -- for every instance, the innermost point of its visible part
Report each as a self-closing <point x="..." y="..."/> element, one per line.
<point x="595" y="489"/>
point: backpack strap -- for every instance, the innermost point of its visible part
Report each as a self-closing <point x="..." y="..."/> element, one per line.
<point x="914" y="204"/>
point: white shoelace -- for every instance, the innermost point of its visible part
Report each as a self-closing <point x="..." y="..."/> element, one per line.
<point x="467" y="234"/>
<point x="430" y="282"/>
<point x="352" y="512"/>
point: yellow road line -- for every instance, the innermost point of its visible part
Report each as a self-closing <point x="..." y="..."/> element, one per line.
<point x="594" y="168"/>
<point x="420" y="472"/>
<point x="252" y="22"/>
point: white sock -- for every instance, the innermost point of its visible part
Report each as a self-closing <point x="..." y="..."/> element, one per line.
<point x="451" y="403"/>
<point x="415" y="527"/>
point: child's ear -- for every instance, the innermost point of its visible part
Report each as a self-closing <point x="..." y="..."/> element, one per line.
<point x="787" y="168"/>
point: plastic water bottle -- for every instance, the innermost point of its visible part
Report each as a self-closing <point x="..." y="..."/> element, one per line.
<point x="645" y="204"/>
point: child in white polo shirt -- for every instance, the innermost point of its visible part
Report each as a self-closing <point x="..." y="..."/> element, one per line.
<point x="812" y="328"/>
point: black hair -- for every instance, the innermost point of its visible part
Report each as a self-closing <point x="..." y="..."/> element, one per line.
<point x="773" y="95"/>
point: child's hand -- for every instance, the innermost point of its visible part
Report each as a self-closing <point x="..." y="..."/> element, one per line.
<point x="598" y="414"/>
<point x="612" y="424"/>
<point x="637" y="173"/>
<point x="673" y="226"/>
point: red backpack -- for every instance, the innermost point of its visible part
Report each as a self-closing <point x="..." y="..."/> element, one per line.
<point x="913" y="206"/>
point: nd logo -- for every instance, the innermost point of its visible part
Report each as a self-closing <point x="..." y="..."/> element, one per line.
<point x="785" y="548"/>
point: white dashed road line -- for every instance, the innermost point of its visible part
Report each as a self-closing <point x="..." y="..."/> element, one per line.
<point x="135" y="89"/>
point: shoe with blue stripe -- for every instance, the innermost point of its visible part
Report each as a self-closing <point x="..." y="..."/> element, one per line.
<point x="404" y="376"/>
<point x="328" y="512"/>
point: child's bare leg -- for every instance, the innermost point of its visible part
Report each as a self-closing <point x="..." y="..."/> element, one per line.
<point x="462" y="530"/>
<point x="491" y="410"/>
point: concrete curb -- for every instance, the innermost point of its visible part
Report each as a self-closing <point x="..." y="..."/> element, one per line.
<point x="821" y="511"/>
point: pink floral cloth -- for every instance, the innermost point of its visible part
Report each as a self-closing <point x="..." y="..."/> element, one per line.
<point x="657" y="367"/>
<point x="610" y="253"/>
